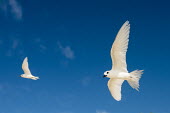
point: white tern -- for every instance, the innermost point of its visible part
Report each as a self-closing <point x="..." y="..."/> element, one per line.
<point x="27" y="73"/>
<point x="119" y="71"/>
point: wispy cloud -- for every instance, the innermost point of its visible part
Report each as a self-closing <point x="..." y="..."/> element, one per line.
<point x="16" y="9"/>
<point x="66" y="51"/>
<point x="86" y="81"/>
<point x="66" y="100"/>
<point x="13" y="7"/>
<point x="41" y="45"/>
<point x="15" y="43"/>
<point x="101" y="111"/>
<point x="7" y="88"/>
<point x="16" y="46"/>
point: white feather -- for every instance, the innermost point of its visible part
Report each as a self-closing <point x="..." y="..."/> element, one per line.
<point x="25" y="66"/>
<point x="27" y="73"/>
<point x="114" y="86"/>
<point x="119" y="72"/>
<point x="119" y="48"/>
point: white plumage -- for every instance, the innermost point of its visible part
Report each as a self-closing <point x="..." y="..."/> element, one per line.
<point x="119" y="72"/>
<point x="114" y="86"/>
<point x="27" y="73"/>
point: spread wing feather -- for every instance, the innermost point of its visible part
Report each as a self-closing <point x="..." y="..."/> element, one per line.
<point x="119" y="48"/>
<point x="25" y="66"/>
<point x="114" y="86"/>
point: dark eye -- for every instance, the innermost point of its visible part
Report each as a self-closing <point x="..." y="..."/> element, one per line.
<point x="107" y="72"/>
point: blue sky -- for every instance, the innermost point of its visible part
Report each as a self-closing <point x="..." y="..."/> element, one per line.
<point x="68" y="46"/>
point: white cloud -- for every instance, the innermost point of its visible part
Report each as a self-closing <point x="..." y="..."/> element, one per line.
<point x="15" y="48"/>
<point x="101" y="111"/>
<point x="41" y="44"/>
<point x="66" y="51"/>
<point x="15" y="44"/>
<point x="66" y="100"/>
<point x="43" y="47"/>
<point x="16" y="9"/>
<point x="86" y="81"/>
<point x="11" y="7"/>
<point x="7" y="88"/>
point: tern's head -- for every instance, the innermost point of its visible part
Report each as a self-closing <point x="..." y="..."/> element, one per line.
<point x="106" y="73"/>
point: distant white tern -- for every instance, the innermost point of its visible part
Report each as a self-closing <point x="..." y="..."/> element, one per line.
<point x="119" y="71"/>
<point x="27" y="73"/>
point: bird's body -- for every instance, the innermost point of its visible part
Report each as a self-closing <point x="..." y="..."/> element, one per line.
<point x="118" y="75"/>
<point x="27" y="74"/>
<point x="119" y="71"/>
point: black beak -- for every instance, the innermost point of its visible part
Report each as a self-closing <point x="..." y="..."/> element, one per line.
<point x="104" y="76"/>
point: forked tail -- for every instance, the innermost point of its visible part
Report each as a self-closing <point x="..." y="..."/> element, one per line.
<point x="134" y="79"/>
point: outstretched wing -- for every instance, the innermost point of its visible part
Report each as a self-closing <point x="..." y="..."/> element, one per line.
<point x="114" y="86"/>
<point x="25" y="67"/>
<point x="119" y="48"/>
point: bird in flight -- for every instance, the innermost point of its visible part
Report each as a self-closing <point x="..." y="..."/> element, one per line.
<point x="27" y="74"/>
<point x="119" y="71"/>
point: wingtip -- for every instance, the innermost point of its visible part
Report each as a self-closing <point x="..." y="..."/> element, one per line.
<point x="26" y="58"/>
<point x="118" y="99"/>
<point x="127" y="21"/>
<point x="126" y="25"/>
